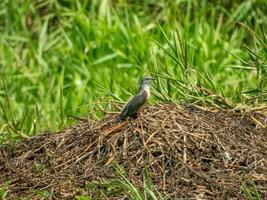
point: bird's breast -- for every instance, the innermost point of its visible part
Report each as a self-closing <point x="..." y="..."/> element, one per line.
<point x="147" y="90"/>
<point x="148" y="94"/>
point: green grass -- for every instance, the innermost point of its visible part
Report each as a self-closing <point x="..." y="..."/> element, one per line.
<point x="60" y="58"/>
<point x="4" y="190"/>
<point x="251" y="194"/>
<point x="149" y="191"/>
<point x="123" y="186"/>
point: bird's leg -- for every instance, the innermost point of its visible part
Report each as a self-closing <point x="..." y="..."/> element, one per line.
<point x="141" y="112"/>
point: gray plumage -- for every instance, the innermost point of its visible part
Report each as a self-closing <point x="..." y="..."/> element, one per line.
<point x="134" y="106"/>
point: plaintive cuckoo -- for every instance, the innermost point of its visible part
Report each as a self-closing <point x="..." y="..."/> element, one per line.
<point x="136" y="103"/>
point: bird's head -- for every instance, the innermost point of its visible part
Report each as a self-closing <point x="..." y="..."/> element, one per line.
<point x="146" y="82"/>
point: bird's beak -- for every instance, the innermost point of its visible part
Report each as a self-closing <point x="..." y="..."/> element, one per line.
<point x="152" y="79"/>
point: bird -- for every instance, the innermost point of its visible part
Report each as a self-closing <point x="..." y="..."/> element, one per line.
<point x="137" y="102"/>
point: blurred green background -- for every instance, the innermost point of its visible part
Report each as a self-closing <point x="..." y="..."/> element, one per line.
<point x="60" y="58"/>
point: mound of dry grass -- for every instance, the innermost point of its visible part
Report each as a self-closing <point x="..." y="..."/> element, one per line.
<point x="189" y="152"/>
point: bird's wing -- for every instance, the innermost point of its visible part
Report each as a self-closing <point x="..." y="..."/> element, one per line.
<point x="134" y="104"/>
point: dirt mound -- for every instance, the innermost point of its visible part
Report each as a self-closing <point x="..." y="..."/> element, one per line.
<point x="189" y="153"/>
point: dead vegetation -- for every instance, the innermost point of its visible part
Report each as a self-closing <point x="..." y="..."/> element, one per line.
<point x="189" y="153"/>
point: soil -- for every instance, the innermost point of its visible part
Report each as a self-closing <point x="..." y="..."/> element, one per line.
<point x="189" y="152"/>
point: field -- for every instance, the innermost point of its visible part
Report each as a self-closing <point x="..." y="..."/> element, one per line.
<point x="64" y="60"/>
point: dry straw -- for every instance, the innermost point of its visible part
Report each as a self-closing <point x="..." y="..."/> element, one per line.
<point x="189" y="152"/>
